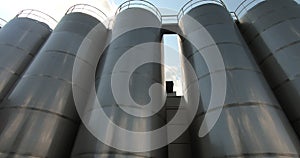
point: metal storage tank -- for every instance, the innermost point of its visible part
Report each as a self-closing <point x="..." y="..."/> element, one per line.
<point x="39" y="118"/>
<point x="136" y="22"/>
<point x="252" y="123"/>
<point x="20" y="40"/>
<point x="271" y="29"/>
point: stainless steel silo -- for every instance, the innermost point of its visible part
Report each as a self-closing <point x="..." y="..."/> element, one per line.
<point x="134" y="25"/>
<point x="20" y="40"/>
<point x="271" y="28"/>
<point x="39" y="118"/>
<point x="252" y="123"/>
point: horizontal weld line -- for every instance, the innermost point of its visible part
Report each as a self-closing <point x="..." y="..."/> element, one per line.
<point x="285" y="81"/>
<point x="290" y="79"/>
<point x="266" y="14"/>
<point x="108" y="153"/>
<point x="46" y="76"/>
<point x="229" y="69"/>
<point x="52" y="77"/>
<point x="286" y="46"/>
<point x="27" y="52"/>
<point x="270" y="11"/>
<point x="262" y="31"/>
<point x="253" y="21"/>
<point x="40" y="110"/>
<point x="80" y="22"/>
<point x="260" y="155"/>
<point x="154" y="114"/>
<point x="70" y="54"/>
<point x="273" y="10"/>
<point x="9" y="70"/>
<point x="226" y="70"/>
<point x="240" y="105"/>
<point x="208" y="25"/>
<point x="265" y="59"/>
<point x="121" y="105"/>
<point x="281" y="84"/>
<point x="219" y="23"/>
<point x="20" y="154"/>
<point x="45" y="26"/>
<point x="125" y="72"/>
<point x="216" y="44"/>
<point x="204" y="14"/>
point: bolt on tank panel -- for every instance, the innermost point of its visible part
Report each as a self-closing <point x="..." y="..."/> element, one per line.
<point x="42" y="103"/>
<point x="251" y="116"/>
<point x="274" y="41"/>
<point x="20" y="40"/>
<point x="132" y="27"/>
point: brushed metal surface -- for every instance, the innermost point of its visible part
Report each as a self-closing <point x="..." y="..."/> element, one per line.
<point x="132" y="27"/>
<point x="247" y="131"/>
<point x="20" y="40"/>
<point x="252" y="123"/>
<point x="39" y="115"/>
<point x="274" y="40"/>
<point x="32" y="133"/>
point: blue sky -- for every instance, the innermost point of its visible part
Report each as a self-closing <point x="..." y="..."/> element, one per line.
<point x="57" y="8"/>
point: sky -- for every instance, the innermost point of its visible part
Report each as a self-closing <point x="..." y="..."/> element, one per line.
<point x="57" y="8"/>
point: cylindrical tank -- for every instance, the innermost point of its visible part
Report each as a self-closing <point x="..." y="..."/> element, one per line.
<point x="252" y="123"/>
<point x="20" y="40"/>
<point x="271" y="28"/>
<point x="39" y="118"/>
<point x="133" y="26"/>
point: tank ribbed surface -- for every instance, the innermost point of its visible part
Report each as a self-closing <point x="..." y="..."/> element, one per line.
<point x="39" y="118"/>
<point x="132" y="27"/>
<point x="20" y="40"/>
<point x="252" y="123"/>
<point x="271" y="29"/>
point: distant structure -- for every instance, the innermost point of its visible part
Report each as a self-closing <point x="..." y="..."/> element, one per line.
<point x="259" y="44"/>
<point x="169" y="88"/>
